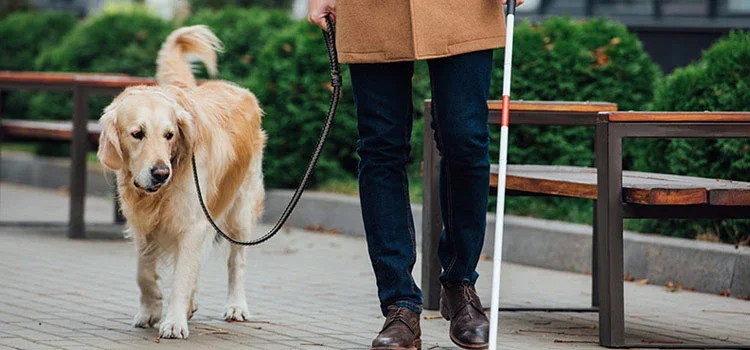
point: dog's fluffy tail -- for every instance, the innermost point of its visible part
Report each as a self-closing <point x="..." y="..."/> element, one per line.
<point x="183" y="46"/>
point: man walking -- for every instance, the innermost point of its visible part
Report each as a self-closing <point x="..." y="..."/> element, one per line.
<point x="380" y="40"/>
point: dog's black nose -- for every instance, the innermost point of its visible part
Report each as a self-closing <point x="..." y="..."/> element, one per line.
<point x="160" y="173"/>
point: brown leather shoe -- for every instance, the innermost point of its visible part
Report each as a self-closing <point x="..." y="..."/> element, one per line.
<point x="400" y="331"/>
<point x="470" y="328"/>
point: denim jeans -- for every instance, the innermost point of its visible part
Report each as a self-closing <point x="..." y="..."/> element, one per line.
<point x="382" y="95"/>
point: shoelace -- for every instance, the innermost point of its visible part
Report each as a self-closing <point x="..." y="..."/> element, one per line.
<point x="398" y="315"/>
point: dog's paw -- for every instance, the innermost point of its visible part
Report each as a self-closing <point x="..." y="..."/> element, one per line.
<point x="147" y="317"/>
<point x="235" y="312"/>
<point x="174" y="330"/>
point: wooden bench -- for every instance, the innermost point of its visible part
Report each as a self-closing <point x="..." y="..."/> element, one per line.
<point x="521" y="113"/>
<point x="80" y="132"/>
<point x="617" y="194"/>
<point x="621" y="194"/>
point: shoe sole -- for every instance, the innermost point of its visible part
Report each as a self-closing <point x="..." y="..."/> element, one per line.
<point x="443" y="312"/>
<point x="417" y="346"/>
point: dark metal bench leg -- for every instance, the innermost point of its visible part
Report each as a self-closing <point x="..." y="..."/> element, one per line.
<point x="594" y="263"/>
<point x="76" y="225"/>
<point x="432" y="224"/>
<point x="609" y="240"/>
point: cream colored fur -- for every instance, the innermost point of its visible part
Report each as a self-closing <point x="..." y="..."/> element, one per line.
<point x="148" y="126"/>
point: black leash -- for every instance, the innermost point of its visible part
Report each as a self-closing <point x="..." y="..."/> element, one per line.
<point x="330" y="39"/>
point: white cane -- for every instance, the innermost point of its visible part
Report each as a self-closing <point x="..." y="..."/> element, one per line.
<point x="503" y="164"/>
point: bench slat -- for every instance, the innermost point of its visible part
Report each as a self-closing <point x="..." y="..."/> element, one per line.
<point x="45" y="130"/>
<point x="706" y="117"/>
<point x="555" y="106"/>
<point x="638" y="187"/>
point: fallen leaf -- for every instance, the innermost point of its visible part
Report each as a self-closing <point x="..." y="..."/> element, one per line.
<point x="601" y="57"/>
<point x="629" y="278"/>
<point x="670" y="284"/>
<point x="157" y="340"/>
<point x="642" y="281"/>
<point x="327" y="85"/>
<point x="724" y="293"/>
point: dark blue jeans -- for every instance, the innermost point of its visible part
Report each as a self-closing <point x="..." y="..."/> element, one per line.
<point x="382" y="95"/>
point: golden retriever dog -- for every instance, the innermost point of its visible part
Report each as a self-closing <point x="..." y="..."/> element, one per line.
<point x="149" y="134"/>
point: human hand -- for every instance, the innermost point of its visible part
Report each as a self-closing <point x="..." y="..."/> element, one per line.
<point x="317" y="10"/>
<point x="518" y="2"/>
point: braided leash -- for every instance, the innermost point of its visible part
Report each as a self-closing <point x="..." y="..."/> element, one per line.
<point x="330" y="39"/>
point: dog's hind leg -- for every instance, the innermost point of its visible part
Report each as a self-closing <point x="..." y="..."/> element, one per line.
<point x="151" y="298"/>
<point x="236" y="307"/>
<point x="186" y="265"/>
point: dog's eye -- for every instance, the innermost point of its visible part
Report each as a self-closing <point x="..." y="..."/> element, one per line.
<point x="138" y="134"/>
<point x="169" y="135"/>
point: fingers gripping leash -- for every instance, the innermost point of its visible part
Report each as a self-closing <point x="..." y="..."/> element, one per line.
<point x="330" y="40"/>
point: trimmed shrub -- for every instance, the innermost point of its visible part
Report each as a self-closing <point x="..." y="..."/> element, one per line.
<point x="565" y="59"/>
<point x="109" y="43"/>
<point x="292" y="82"/>
<point x="24" y="35"/>
<point x="243" y="32"/>
<point x="124" y="42"/>
<point x="720" y="81"/>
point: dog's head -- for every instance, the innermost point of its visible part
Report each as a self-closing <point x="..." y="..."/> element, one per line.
<point x="146" y="134"/>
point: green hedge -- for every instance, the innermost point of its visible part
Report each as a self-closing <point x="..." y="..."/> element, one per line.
<point x="720" y="81"/>
<point x="566" y="59"/>
<point x="243" y="33"/>
<point x="24" y="36"/>
<point x="121" y="42"/>
<point x="285" y="64"/>
<point x="292" y="81"/>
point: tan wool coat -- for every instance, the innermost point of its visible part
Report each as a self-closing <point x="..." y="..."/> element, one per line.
<point x="376" y="31"/>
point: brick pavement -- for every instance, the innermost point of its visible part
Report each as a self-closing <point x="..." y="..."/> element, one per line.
<point x="305" y="291"/>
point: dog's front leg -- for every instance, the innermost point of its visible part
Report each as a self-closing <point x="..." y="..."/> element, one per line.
<point x="186" y="264"/>
<point x="236" y="307"/>
<point x="151" y="300"/>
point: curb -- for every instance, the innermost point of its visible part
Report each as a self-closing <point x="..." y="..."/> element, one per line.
<point x="704" y="266"/>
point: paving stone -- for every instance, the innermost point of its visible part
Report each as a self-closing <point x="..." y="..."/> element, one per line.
<point x="84" y="293"/>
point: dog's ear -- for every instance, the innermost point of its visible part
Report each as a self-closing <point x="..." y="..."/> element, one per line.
<point x="186" y="137"/>
<point x="110" y="152"/>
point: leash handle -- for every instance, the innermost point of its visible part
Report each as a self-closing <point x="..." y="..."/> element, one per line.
<point x="511" y="8"/>
<point x="330" y="39"/>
